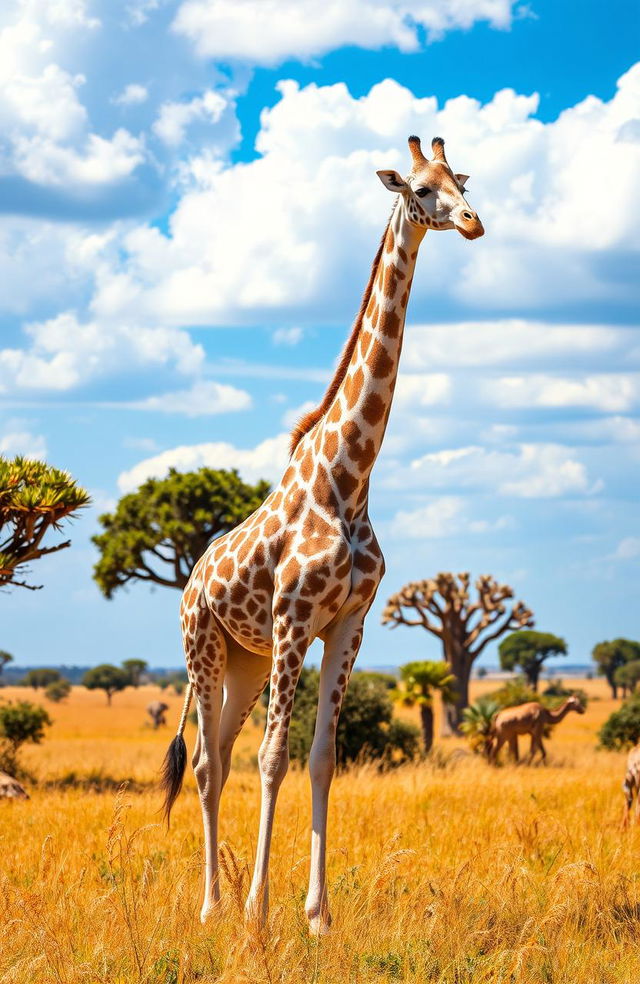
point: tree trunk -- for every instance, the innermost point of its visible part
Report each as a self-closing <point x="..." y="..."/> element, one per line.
<point x="613" y="685"/>
<point x="426" y="723"/>
<point x="458" y="659"/>
<point x="109" y="698"/>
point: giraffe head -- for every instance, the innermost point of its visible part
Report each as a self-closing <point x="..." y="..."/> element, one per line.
<point x="432" y="196"/>
<point x="575" y="704"/>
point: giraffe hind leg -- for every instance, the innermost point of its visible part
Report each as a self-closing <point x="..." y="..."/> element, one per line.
<point x="206" y="654"/>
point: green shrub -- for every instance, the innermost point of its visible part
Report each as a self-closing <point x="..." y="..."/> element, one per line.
<point x="477" y="720"/>
<point x="556" y="689"/>
<point x="58" y="690"/>
<point x="20" y="722"/>
<point x="513" y="692"/>
<point x="366" y="728"/>
<point x="622" y="728"/>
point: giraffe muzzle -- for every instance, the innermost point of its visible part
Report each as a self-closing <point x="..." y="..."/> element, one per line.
<point x="469" y="225"/>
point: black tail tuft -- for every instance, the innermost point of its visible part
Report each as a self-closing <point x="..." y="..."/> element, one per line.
<point x="173" y="767"/>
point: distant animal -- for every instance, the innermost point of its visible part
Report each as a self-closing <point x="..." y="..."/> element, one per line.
<point x="10" y="788"/>
<point x="528" y="719"/>
<point x="156" y="711"/>
<point x="631" y="785"/>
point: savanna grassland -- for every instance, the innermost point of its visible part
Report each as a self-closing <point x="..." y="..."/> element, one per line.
<point x="449" y="871"/>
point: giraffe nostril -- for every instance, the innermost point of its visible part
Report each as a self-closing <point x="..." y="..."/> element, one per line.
<point x="467" y="215"/>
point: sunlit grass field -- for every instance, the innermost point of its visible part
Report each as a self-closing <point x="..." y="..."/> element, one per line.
<point x="448" y="871"/>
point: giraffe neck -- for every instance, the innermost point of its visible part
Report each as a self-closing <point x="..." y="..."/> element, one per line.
<point x="354" y="426"/>
<point x="555" y="716"/>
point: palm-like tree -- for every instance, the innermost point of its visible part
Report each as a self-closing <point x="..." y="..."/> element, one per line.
<point x="421" y="680"/>
<point x="34" y="498"/>
<point x="477" y="723"/>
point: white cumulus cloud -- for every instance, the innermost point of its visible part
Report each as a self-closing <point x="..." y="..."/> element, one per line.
<point x="132" y="95"/>
<point x="447" y="516"/>
<point x="204" y="398"/>
<point x="268" y="31"/>
<point x="267" y="460"/>
<point x="16" y="438"/>
<point x="45" y="131"/>
<point x="314" y="209"/>
<point x="609" y="392"/>
<point x="526" y="470"/>
<point x="65" y="352"/>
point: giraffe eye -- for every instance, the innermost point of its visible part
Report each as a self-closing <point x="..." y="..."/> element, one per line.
<point x="421" y="192"/>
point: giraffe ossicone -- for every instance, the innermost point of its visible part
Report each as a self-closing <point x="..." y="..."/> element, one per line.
<point x="307" y="563"/>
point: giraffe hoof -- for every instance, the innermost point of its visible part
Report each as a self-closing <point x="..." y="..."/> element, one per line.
<point x="255" y="916"/>
<point x="319" y="925"/>
<point x="209" y="910"/>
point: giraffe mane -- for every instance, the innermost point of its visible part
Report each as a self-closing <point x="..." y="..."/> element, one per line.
<point x="311" y="418"/>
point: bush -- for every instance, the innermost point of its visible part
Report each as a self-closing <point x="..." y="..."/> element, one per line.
<point x="477" y="722"/>
<point x="513" y="692"/>
<point x="19" y="722"/>
<point x="556" y="689"/>
<point x="366" y="729"/>
<point x="622" y="728"/>
<point x="176" y="680"/>
<point x="58" y="690"/>
<point x="388" y="680"/>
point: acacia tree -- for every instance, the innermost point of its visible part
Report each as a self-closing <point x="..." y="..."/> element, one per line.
<point x="134" y="668"/>
<point x="34" y="499"/>
<point x="106" y="677"/>
<point x="159" y="532"/>
<point x="442" y="605"/>
<point x="609" y="656"/>
<point x="422" y="679"/>
<point x="40" y="677"/>
<point x="528" y="649"/>
<point x="5" y="658"/>
<point x="627" y="676"/>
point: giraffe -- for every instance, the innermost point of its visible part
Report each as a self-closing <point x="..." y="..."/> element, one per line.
<point x="528" y="719"/>
<point x="306" y="563"/>
<point x="631" y="785"/>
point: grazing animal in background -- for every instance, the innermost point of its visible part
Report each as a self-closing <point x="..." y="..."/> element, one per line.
<point x="10" y="788"/>
<point x="528" y="719"/>
<point x="631" y="785"/>
<point x="306" y="564"/>
<point x="156" y="711"/>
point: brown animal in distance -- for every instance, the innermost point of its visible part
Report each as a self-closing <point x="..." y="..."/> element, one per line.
<point x="156" y="711"/>
<point x="631" y="785"/>
<point x="10" y="788"/>
<point x="528" y="719"/>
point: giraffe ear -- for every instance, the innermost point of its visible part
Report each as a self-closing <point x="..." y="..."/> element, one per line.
<point x="462" y="179"/>
<point x="392" y="180"/>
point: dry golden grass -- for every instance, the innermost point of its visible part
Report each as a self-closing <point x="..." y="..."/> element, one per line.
<point x="454" y="874"/>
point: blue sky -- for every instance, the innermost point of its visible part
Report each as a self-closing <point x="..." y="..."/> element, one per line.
<point x="189" y="212"/>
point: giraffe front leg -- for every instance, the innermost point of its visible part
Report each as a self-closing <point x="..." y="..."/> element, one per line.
<point x="340" y="650"/>
<point x="290" y="643"/>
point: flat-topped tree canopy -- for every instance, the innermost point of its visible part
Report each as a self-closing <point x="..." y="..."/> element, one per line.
<point x="35" y="499"/>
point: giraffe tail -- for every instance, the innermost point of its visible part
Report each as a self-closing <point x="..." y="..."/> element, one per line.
<point x="175" y="762"/>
